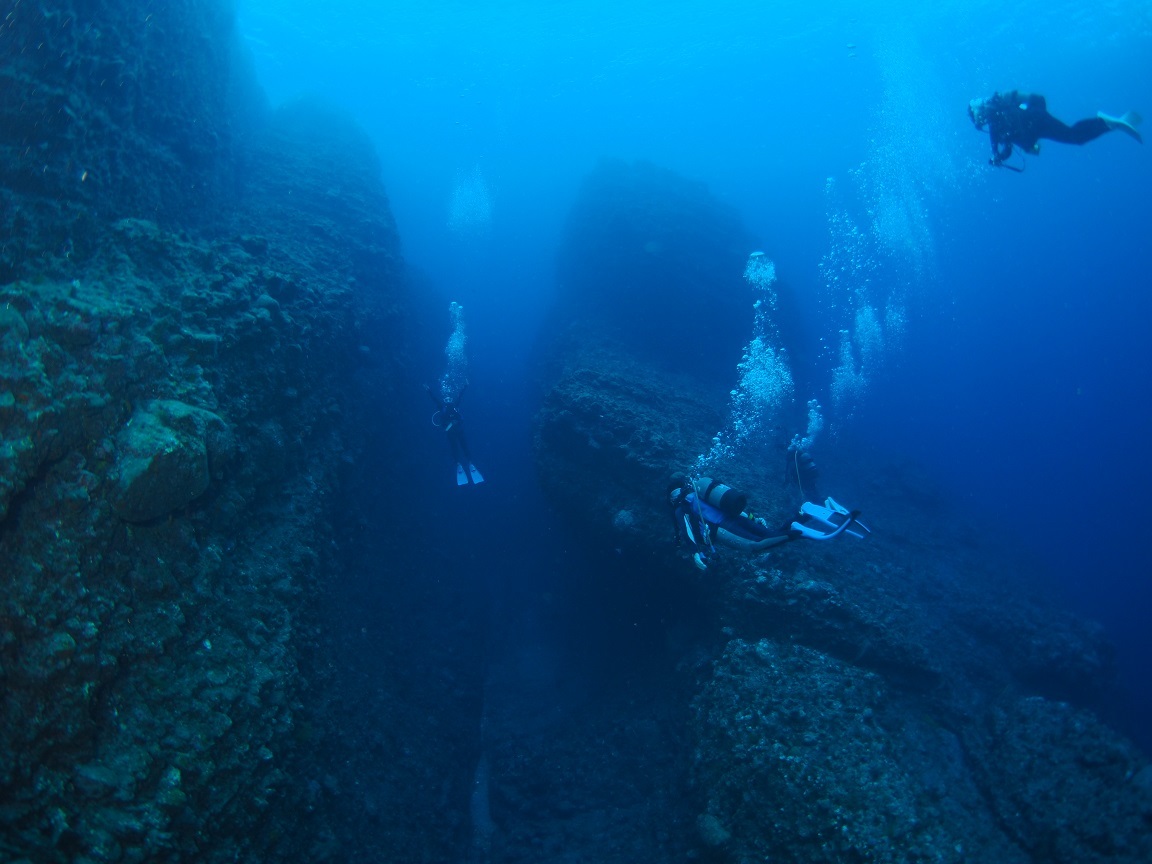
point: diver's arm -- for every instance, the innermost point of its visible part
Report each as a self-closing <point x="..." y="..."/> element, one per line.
<point x="1001" y="147"/>
<point x="432" y="396"/>
<point x="677" y="525"/>
<point x="1000" y="125"/>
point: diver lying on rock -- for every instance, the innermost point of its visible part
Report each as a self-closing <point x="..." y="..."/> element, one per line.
<point x="706" y="512"/>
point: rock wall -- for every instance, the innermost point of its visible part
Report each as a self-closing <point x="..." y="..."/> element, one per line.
<point x="112" y="110"/>
<point x="147" y="656"/>
<point x="201" y="333"/>
<point x="652" y="310"/>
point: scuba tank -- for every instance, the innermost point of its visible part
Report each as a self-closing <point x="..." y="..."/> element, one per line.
<point x="727" y="500"/>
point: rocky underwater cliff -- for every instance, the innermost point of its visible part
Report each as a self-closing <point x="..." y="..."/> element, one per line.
<point x="203" y="323"/>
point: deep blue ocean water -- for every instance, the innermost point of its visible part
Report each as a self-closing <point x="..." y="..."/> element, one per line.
<point x="1020" y="381"/>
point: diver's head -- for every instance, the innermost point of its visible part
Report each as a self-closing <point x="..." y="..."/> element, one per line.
<point x="677" y="488"/>
<point x="978" y="112"/>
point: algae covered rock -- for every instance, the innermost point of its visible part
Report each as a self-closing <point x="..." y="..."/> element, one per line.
<point x="609" y="432"/>
<point x="800" y="757"/>
<point x="168" y="454"/>
<point x="1064" y="786"/>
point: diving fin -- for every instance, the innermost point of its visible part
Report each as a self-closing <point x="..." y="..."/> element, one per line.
<point x="1126" y="123"/>
<point x="843" y="511"/>
<point x="819" y="529"/>
<point x="828" y="521"/>
<point x="461" y="476"/>
<point x="477" y="477"/>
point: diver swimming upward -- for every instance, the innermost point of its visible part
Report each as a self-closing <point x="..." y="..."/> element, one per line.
<point x="448" y="418"/>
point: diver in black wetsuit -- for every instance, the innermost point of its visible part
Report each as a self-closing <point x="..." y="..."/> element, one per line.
<point x="800" y="468"/>
<point x="448" y="418"/>
<point x="1016" y="119"/>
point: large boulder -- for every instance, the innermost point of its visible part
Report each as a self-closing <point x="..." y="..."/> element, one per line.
<point x="167" y="455"/>
<point x="802" y="758"/>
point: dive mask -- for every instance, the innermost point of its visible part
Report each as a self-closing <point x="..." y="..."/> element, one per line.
<point x="978" y="111"/>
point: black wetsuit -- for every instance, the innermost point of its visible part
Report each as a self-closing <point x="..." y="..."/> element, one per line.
<point x="452" y="423"/>
<point x="800" y="469"/>
<point x="1022" y="119"/>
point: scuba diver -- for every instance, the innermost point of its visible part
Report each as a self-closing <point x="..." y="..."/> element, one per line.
<point x="448" y="418"/>
<point x="1016" y="119"/>
<point x="706" y="512"/>
<point x="800" y="468"/>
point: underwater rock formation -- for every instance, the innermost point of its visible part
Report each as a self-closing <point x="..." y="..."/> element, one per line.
<point x="897" y="699"/>
<point x="148" y="659"/>
<point x="652" y="255"/>
<point x="805" y="757"/>
<point x="194" y="302"/>
<point x="167" y="454"/>
<point x="116" y="110"/>
<point x="652" y="310"/>
<point x="609" y="434"/>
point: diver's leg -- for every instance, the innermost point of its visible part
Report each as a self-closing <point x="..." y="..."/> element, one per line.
<point x="461" y="467"/>
<point x="1080" y="132"/>
<point x="454" y="444"/>
<point x="463" y="445"/>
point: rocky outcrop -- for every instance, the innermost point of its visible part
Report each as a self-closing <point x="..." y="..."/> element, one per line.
<point x="807" y="757"/>
<point x="141" y="603"/>
<point x="609" y="435"/>
<point x="1063" y="786"/>
<point x="169" y="452"/>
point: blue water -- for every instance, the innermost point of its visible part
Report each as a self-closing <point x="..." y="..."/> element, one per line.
<point x="1021" y="381"/>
